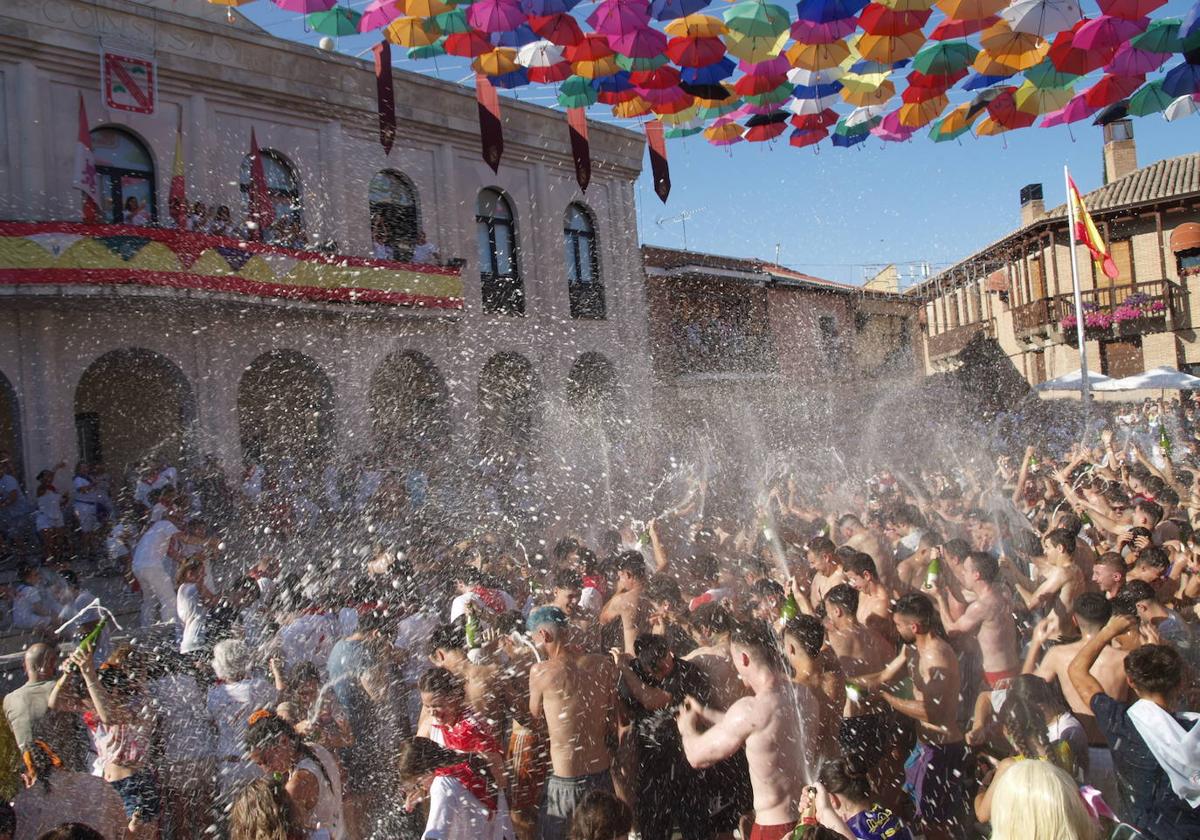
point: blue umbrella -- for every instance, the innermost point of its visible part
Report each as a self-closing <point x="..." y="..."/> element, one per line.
<point x="710" y="75"/>
<point x="817" y="91"/>
<point x="547" y="7"/>
<point x="616" y="83"/>
<point x="826" y="11"/>
<point x="671" y="9"/>
<point x="977" y="81"/>
<point x="1182" y="80"/>
<point x="518" y="37"/>
<point x="864" y="66"/>
<point x="515" y="79"/>
<point x="1191" y="23"/>
<point x="848" y="140"/>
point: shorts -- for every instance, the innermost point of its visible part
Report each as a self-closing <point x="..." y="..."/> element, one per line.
<point x="938" y="776"/>
<point x="526" y="768"/>
<point x="87" y="515"/>
<point x="1000" y="679"/>
<point x="561" y="796"/>
<point x="772" y="832"/>
<point x="866" y="739"/>
<point x="139" y="794"/>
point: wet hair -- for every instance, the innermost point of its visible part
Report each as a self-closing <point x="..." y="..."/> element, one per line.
<point x="1154" y="668"/>
<point x="756" y="636"/>
<point x="564" y="547"/>
<point x="844" y="778"/>
<point x="767" y="588"/>
<point x="264" y="811"/>
<point x="650" y="650"/>
<point x="957" y="548"/>
<point x="469" y="575"/>
<point x="1138" y="531"/>
<point x="662" y="588"/>
<point x="905" y="514"/>
<point x="231" y="660"/>
<point x="441" y="681"/>
<point x="848" y="520"/>
<point x="1154" y="484"/>
<point x="72" y="831"/>
<point x="860" y="564"/>
<point x="843" y="596"/>
<point x="706" y="566"/>
<point x="1036" y="800"/>
<point x="1154" y="556"/>
<point x="1062" y="539"/>
<point x="632" y="563"/>
<point x="919" y="606"/>
<point x="1092" y="609"/>
<point x="712" y="618"/>
<point x="1123" y="603"/>
<point x="1027" y="704"/>
<point x="808" y="630"/>
<point x="567" y="579"/>
<point x="1152" y="510"/>
<point x="600" y="816"/>
<point x="267" y="728"/>
<point x="1167" y="497"/>
<point x="1070" y="523"/>
<point x="1138" y="591"/>
<point x="1112" y="560"/>
<point x="821" y="546"/>
<point x="986" y="565"/>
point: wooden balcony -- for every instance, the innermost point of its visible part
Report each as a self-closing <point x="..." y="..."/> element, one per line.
<point x="952" y="341"/>
<point x="1130" y="309"/>
<point x="1032" y="319"/>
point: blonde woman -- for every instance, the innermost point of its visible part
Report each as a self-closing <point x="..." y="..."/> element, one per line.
<point x="263" y="811"/>
<point x="1034" y="800"/>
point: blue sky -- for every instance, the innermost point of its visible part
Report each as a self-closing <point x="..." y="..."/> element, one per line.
<point x="839" y="213"/>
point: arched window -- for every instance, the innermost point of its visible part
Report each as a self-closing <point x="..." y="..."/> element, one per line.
<point x="125" y="177"/>
<point x="284" y="189"/>
<point x="395" y="222"/>
<point x="583" y="266"/>
<point x="499" y="272"/>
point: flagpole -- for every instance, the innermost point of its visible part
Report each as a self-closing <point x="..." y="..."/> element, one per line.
<point x="1084" y="386"/>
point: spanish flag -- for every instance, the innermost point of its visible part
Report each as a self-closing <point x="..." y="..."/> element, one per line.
<point x="1087" y="233"/>
<point x="177" y="199"/>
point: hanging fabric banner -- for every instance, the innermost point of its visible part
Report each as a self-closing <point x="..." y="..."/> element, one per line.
<point x="580" y="146"/>
<point x="385" y="95"/>
<point x="491" y="134"/>
<point x="658" y="158"/>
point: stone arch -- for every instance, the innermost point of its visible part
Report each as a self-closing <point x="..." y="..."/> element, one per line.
<point x="409" y="405"/>
<point x="285" y="410"/>
<point x="133" y="404"/>
<point x="510" y="413"/>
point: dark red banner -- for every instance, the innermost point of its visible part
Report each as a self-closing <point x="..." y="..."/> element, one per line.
<point x="580" y="146"/>
<point x="491" y="133"/>
<point x="658" y="158"/>
<point x="386" y="96"/>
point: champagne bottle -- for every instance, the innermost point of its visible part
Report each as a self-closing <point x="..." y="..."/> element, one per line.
<point x="91" y="638"/>
<point x="1164" y="440"/>
<point x="933" y="571"/>
<point x="471" y="630"/>
<point x="808" y="820"/>
<point x="790" y="608"/>
<point x="855" y="692"/>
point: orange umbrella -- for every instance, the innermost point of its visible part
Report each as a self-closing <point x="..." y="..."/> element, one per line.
<point x="1014" y="50"/>
<point x="723" y="134"/>
<point x="887" y="49"/>
<point x="917" y="114"/>
<point x="696" y="26"/>
<point x="970" y="9"/>
<point x="496" y="63"/>
<point x="961" y="117"/>
<point x="988" y="128"/>
<point x="636" y="107"/>
<point x="869" y="96"/>
<point x="817" y="56"/>
<point x="412" y="32"/>
<point x="425" y="8"/>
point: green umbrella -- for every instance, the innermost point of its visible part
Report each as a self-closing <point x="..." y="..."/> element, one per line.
<point x="1150" y="99"/>
<point x="1046" y="75"/>
<point x="433" y="50"/>
<point x="771" y="97"/>
<point x="683" y="131"/>
<point x="641" y="64"/>
<point x="338" y="21"/>
<point x="453" y="22"/>
<point x="757" y="19"/>
<point x="1161" y="36"/>
<point x="576" y="92"/>
<point x="945" y="58"/>
<point x="845" y="130"/>
<point x="719" y="110"/>
<point x="938" y="136"/>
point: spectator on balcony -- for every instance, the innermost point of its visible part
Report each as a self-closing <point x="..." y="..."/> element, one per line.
<point x="197" y="219"/>
<point x="136" y="213"/>
<point x="425" y="252"/>
<point x="222" y="222"/>
<point x="380" y="248"/>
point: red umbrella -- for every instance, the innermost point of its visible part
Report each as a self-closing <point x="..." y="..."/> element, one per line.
<point x="1108" y="33"/>
<point x="695" y="52"/>
<point x="951" y="28"/>
<point x="660" y="79"/>
<point x="807" y="136"/>
<point x="557" y="29"/>
<point x="943" y="82"/>
<point x="611" y="97"/>
<point x="880" y="20"/>
<point x="667" y="100"/>
<point x="1004" y="111"/>
<point x="468" y="44"/>
<point x="1111" y="89"/>
<point x="769" y="131"/>
<point x="1068" y="58"/>
<point x="591" y="47"/>
<point x="1129" y="9"/>
<point x="752" y="85"/>
<point x="805" y="122"/>
<point x="553" y="73"/>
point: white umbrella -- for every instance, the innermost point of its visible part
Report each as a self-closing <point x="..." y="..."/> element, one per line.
<point x="539" y="54"/>
<point x="812" y="106"/>
<point x="812" y="78"/>
<point x="865" y="113"/>
<point x="1071" y="381"/>
<point x="1182" y="107"/>
<point x="1042" y="17"/>
<point x="1163" y="378"/>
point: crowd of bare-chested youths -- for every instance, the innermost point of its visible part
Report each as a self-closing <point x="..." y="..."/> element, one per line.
<point x="1008" y="650"/>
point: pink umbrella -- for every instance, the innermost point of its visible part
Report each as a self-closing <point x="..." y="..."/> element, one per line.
<point x="380" y="13"/>
<point x="619" y="17"/>
<point x="1073" y="111"/>
<point x="305" y="7"/>
<point x="1130" y="61"/>
<point x="1129" y="9"/>
<point x="777" y="66"/>
<point x="892" y="130"/>
<point x="1107" y="32"/>
<point x="495" y="15"/>
<point x="810" y="32"/>
<point x="640" y="43"/>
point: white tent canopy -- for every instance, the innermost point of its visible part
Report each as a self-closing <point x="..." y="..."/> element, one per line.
<point x="1163" y="378"/>
<point x="1072" y="381"/>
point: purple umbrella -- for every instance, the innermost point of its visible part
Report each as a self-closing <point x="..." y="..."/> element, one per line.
<point x="808" y="32"/>
<point x="1073" y="111"/>
<point x="777" y="66"/>
<point x="1130" y="61"/>
<point x="640" y="43"/>
<point x="1182" y="80"/>
<point x="305" y="7"/>
<point x="1107" y="32"/>
<point x="619" y="17"/>
<point x="542" y="8"/>
<point x="380" y="13"/>
<point x="670" y="9"/>
<point x="495" y="15"/>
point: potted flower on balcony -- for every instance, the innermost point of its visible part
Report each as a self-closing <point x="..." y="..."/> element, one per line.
<point x="1133" y="313"/>
<point x="1096" y="322"/>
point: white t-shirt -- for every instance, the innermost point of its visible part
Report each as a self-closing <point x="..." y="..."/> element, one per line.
<point x="308" y="638"/>
<point x="151" y="549"/>
<point x="25" y="599"/>
<point x="184" y="725"/>
<point x="9" y="483"/>
<point x="459" y="605"/>
<point x="49" y="510"/>
<point x="192" y="614"/>
<point x="230" y="706"/>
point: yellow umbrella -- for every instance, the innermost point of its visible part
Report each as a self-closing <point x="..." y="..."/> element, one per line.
<point x="752" y="49"/>
<point x="1035" y="100"/>
<point x="989" y="128"/>
<point x="229" y="2"/>
<point x="818" y="56"/>
<point x="412" y="32"/>
<point x="496" y="63"/>
<point x="426" y="8"/>
<point x="696" y="26"/>
<point x="886" y="49"/>
<point x="917" y="114"/>
<point x="724" y="133"/>
<point x="960" y="118"/>
<point x="870" y="96"/>
<point x="1014" y="50"/>
<point x="970" y="9"/>
<point x="858" y="82"/>
<point x="606" y="66"/>
<point x="906" y="5"/>
<point x="630" y="108"/>
<point x="686" y="115"/>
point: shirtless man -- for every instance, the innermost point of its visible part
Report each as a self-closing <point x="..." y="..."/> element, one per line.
<point x="767" y="724"/>
<point x="628" y="605"/>
<point x="827" y="570"/>
<point x="941" y="753"/>
<point x="1060" y="580"/>
<point x="861" y="538"/>
<point x="1108" y="574"/>
<point x="484" y="683"/>
<point x="874" y="600"/>
<point x="817" y="672"/>
<point x="576" y="695"/>
<point x="987" y="620"/>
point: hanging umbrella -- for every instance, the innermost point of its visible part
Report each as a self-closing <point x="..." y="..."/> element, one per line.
<point x="615" y="88"/>
<point x="1182" y="80"/>
<point x="917" y="114"/>
<point x="939" y="133"/>
<point x="815" y="91"/>
<point x="1182" y="107"/>
<point x="695" y="52"/>
<point x="468" y="44"/>
<point x="576" y="92"/>
<point x="696" y="26"/>
<point x="880" y="20"/>
<point x="777" y="96"/>
<point x="1129" y="9"/>
<point x="508" y="81"/>
<point x="540" y="54"/>
<point x="864" y="117"/>
<point x="452" y="22"/>
<point x="920" y="93"/>
<point x="970" y="9"/>
<point x="989" y="127"/>
<point x="413" y="32"/>
<point x="978" y="81"/>
<point x="1128" y="60"/>
<point x="775" y="66"/>
<point x="811" y="107"/>
<point x="1073" y="111"/>
<point x="1042" y="18"/>
<point x="891" y="131"/>
<point x="1114" y="112"/>
<point x="956" y="123"/>
<point x="751" y="85"/>
<point x="1111" y="88"/>
<point x="1190" y="25"/>
<point x="543" y="8"/>
<point x="765" y="126"/>
<point x="906" y="5"/>
<point x="757" y="19"/>
<point x="1161" y="36"/>
<point x="305" y="7"/>
<point x="425" y="8"/>
<point x="660" y="79"/>
<point x="680" y="118"/>
<point x="1004" y="111"/>
<point x="818" y="56"/>
<point x="1045" y="75"/>
<point x="380" y="13"/>
<point x="616" y="17"/>
<point x="1035" y="100"/>
<point x="641" y="43"/>
<point x="631" y="108"/>
<point x="1014" y="50"/>
<point x="338" y="22"/>
<point x="877" y="95"/>
<point x="515" y="38"/>
<point x="678" y="131"/>
<point x="710" y="74"/>
<point x="1069" y="57"/>
<point x="561" y="29"/>
<point x="807" y="137"/>
<point x="433" y="50"/>
<point x="821" y="119"/>
<point x="495" y="15"/>
<point x="724" y="134"/>
<point x="595" y="69"/>
<point x="753" y="48"/>
<point x="887" y="48"/>
<point x="1107" y="32"/>
<point x="672" y="9"/>
<point x="1150" y="99"/>
<point x="808" y="32"/>
<point x="668" y="101"/>
<point x="824" y="11"/>
<point x="591" y="48"/>
<point x="945" y="57"/>
<point x="497" y="62"/>
<point x="800" y="76"/>
<point x="952" y="28"/>
<point x="845" y="141"/>
<point x="652" y="62"/>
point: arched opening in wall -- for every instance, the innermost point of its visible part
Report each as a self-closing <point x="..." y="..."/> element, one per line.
<point x="283" y="190"/>
<point x="285" y="412"/>
<point x="133" y="405"/>
<point x="584" y="286"/>
<point x="124" y="177"/>
<point x="499" y="261"/>
<point x="395" y="218"/>
<point x="409" y="409"/>
<point x="10" y="429"/>
<point x="509" y="412"/>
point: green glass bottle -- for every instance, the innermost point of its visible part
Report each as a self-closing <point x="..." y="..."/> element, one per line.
<point x="790" y="608"/>
<point x="1164" y="440"/>
<point x="471" y="630"/>
<point x="933" y="571"/>
<point x="91" y="638"/>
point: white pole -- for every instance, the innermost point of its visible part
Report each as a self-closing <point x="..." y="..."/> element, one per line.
<point x="1084" y="386"/>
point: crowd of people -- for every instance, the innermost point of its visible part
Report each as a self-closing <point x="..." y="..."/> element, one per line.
<point x="1004" y="646"/>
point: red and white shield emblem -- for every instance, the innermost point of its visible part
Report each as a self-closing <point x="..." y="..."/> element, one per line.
<point x="130" y="82"/>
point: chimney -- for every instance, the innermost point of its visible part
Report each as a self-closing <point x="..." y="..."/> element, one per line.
<point x="1032" y="205"/>
<point x="1120" y="152"/>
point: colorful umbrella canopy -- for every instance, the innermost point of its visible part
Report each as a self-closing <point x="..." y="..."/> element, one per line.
<point x="818" y="56"/>
<point x="577" y="92"/>
<point x="452" y="22"/>
<point x="1150" y="99"/>
<point x="380" y="13"/>
<point x="807" y="137"/>
<point x="425" y="8"/>
<point x="1129" y="9"/>
<point x="561" y="29"/>
<point x="823" y="11"/>
<point x="752" y="48"/>
<point x="495" y="15"/>
<point x="877" y="95"/>
<point x="808" y="32"/>
<point x="1073" y="111"/>
<point x="940" y="132"/>
<point x="695" y="52"/>
<point x="305" y="7"/>
<point x="1111" y="88"/>
<point x="1182" y="80"/>
<point x="497" y="62"/>
<point x="468" y="44"/>
<point x="1035" y="100"/>
<point x="616" y="17"/>
<point x="757" y="19"/>
<point x="433" y="50"/>
<point x="1042" y="18"/>
<point x="970" y="9"/>
<point x="1069" y="57"/>
<point x="1182" y="107"/>
<point x="978" y="82"/>
<point x="880" y="20"/>
<point x="888" y="48"/>
<point x="1161" y="36"/>
<point x="540" y="54"/>
<point x="696" y="26"/>
<point x="945" y="57"/>
<point x="671" y="9"/>
<point x="338" y="21"/>
<point x="1107" y="32"/>
<point x="1128" y="60"/>
<point x="917" y="114"/>
<point x="631" y="108"/>
<point x="822" y="119"/>
<point x="413" y="32"/>
<point x="724" y="133"/>
<point x="951" y="28"/>
<point x="709" y="74"/>
<point x="640" y="43"/>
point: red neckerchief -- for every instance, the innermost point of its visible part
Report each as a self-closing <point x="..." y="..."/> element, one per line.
<point x="490" y="597"/>
<point x="468" y="735"/>
<point x="598" y="583"/>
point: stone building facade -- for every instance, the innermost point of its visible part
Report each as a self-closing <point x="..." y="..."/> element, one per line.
<point x="338" y="335"/>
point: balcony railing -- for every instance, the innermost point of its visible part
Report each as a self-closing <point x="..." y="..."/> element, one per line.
<point x="1032" y="319"/>
<point x="1133" y="308"/>
<point x="952" y="341"/>
<point x="74" y="254"/>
